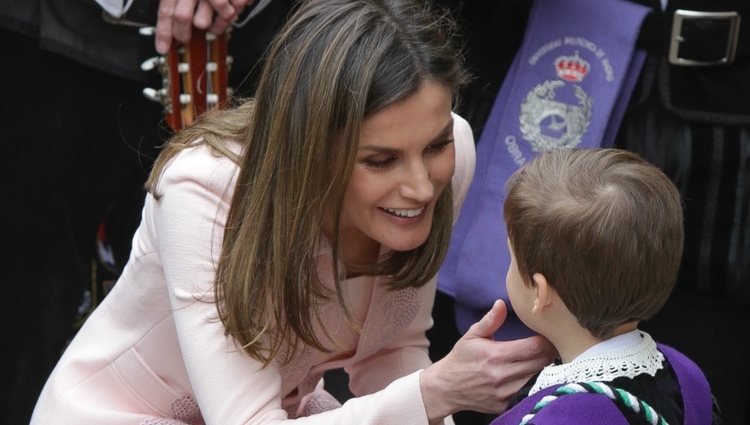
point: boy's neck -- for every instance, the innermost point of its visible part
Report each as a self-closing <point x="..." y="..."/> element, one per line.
<point x="575" y="340"/>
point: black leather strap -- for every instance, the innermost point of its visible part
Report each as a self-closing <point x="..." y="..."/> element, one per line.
<point x="703" y="38"/>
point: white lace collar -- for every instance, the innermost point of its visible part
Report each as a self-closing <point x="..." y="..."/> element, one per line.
<point x="627" y="355"/>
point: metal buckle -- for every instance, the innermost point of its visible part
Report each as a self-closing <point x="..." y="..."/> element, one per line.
<point x="733" y="35"/>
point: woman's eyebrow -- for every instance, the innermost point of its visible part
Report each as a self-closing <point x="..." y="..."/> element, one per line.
<point x="448" y="129"/>
<point x="384" y="149"/>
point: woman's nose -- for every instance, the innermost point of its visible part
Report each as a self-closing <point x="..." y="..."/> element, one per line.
<point x="417" y="184"/>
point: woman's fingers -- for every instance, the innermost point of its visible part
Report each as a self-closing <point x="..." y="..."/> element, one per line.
<point x="532" y="349"/>
<point x="482" y="374"/>
<point x="490" y="323"/>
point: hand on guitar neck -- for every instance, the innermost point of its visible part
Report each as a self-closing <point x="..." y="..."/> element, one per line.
<point x="177" y="19"/>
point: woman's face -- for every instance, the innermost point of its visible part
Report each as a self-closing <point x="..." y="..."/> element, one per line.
<point x="405" y="160"/>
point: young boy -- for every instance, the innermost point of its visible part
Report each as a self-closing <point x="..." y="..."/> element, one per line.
<point x="596" y="237"/>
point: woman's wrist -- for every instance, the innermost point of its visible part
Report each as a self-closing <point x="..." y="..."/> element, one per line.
<point x="436" y="404"/>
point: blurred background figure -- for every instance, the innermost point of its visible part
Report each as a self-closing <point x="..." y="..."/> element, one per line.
<point x="80" y="138"/>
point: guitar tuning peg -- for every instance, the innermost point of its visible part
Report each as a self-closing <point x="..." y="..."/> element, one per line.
<point x="185" y="99"/>
<point x="154" y="95"/>
<point x="152" y="63"/>
<point x="148" y="31"/>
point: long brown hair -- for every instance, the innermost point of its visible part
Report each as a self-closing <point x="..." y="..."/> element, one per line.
<point x="335" y="63"/>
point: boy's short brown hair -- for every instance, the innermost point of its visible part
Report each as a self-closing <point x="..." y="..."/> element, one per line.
<point x="604" y="226"/>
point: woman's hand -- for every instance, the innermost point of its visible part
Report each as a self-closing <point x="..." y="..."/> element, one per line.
<point x="176" y="18"/>
<point x="481" y="374"/>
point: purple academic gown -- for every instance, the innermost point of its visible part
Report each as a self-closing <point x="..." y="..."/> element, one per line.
<point x="586" y="408"/>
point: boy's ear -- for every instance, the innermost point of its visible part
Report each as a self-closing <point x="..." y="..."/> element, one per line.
<point x="544" y="293"/>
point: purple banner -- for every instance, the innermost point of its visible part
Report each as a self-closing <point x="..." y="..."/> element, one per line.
<point x="568" y="87"/>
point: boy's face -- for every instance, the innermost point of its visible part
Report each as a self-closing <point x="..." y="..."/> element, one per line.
<point x="521" y="295"/>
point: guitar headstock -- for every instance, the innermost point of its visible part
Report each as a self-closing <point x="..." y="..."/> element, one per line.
<point x="194" y="77"/>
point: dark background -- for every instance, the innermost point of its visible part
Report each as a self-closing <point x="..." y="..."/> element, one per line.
<point x="79" y="144"/>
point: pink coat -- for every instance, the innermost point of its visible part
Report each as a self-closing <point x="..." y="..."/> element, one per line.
<point x="155" y="353"/>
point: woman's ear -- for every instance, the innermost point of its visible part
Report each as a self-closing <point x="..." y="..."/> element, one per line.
<point x="544" y="293"/>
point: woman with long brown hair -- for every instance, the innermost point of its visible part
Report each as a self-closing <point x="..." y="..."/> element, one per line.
<point x="298" y="233"/>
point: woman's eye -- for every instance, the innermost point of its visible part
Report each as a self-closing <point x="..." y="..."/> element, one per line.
<point x="439" y="147"/>
<point x="379" y="162"/>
